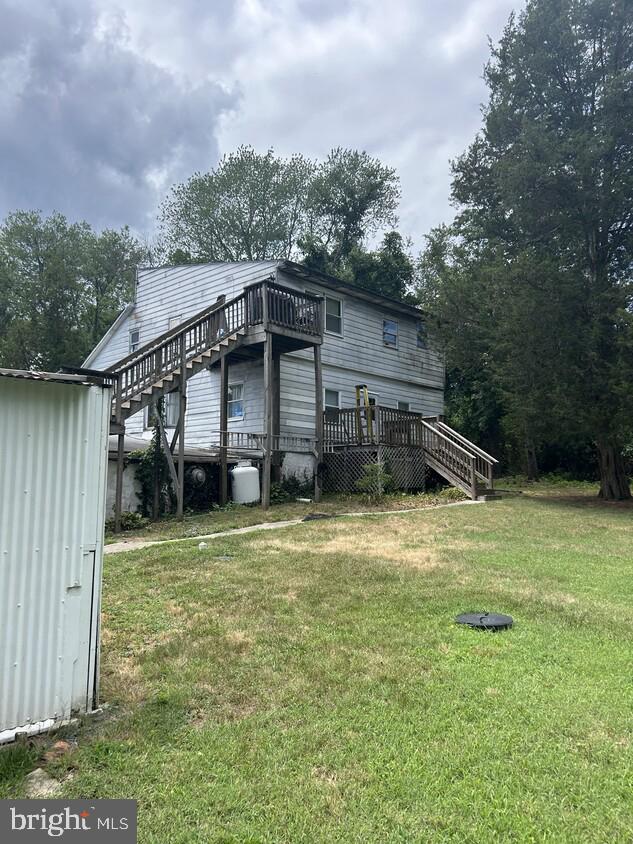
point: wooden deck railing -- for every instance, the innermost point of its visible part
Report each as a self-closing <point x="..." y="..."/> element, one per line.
<point x="263" y="303"/>
<point x="388" y="426"/>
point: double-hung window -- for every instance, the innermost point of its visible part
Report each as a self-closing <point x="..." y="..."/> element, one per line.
<point x="135" y="339"/>
<point x="236" y="401"/>
<point x="331" y="402"/>
<point x="333" y="315"/>
<point x="171" y="409"/>
<point x="390" y="333"/>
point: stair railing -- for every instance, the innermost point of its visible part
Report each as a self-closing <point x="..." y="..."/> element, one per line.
<point x="452" y="456"/>
<point x="262" y="303"/>
<point x="484" y="462"/>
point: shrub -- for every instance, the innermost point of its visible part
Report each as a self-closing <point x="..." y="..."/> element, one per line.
<point x="375" y="482"/>
<point x="129" y="521"/>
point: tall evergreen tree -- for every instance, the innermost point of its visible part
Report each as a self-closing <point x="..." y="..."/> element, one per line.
<point x="547" y="188"/>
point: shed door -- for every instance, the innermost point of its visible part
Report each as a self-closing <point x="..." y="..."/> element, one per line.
<point x="80" y="629"/>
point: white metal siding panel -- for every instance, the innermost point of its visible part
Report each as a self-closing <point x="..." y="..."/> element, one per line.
<point x="53" y="450"/>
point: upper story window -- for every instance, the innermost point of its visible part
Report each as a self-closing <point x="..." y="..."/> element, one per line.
<point x="333" y="315"/>
<point x="420" y="335"/>
<point x="135" y="339"/>
<point x="235" y="403"/>
<point x="390" y="333"/>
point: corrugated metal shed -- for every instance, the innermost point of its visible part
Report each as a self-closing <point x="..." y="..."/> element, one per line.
<point x="53" y="455"/>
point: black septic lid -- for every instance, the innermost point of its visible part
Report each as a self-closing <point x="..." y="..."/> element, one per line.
<point x="485" y="620"/>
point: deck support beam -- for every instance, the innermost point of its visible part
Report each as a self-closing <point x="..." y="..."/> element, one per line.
<point x="224" y="407"/>
<point x="318" y="425"/>
<point x="268" y="418"/>
<point x="276" y="400"/>
<point x="118" y="495"/>
<point x="182" y="409"/>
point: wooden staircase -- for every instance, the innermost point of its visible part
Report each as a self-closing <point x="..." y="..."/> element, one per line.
<point x="160" y="366"/>
<point x="165" y="363"/>
<point x="462" y="463"/>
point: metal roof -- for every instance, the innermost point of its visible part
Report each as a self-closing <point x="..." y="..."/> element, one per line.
<point x="81" y="379"/>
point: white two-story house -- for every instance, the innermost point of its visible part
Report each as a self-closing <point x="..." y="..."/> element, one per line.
<point x="366" y="339"/>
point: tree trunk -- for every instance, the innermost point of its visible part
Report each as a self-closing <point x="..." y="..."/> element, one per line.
<point x="531" y="463"/>
<point x="614" y="484"/>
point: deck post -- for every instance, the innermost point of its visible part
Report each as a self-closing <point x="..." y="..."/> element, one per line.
<point x="224" y="402"/>
<point x="268" y="418"/>
<point x="120" y="457"/>
<point x="473" y="480"/>
<point x="276" y="425"/>
<point x="118" y="496"/>
<point x="318" y="426"/>
<point x="182" y="408"/>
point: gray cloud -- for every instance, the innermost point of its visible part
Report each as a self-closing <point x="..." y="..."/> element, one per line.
<point x="88" y="125"/>
<point x="106" y="106"/>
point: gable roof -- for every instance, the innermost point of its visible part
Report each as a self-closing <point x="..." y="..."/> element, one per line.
<point x="333" y="283"/>
<point x="127" y="310"/>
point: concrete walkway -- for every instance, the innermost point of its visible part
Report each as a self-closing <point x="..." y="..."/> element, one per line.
<point x="136" y="544"/>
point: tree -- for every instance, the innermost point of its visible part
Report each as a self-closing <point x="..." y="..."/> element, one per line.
<point x="256" y="206"/>
<point x="109" y="272"/>
<point x="351" y="196"/>
<point x="548" y="187"/>
<point x="61" y="285"/>
<point x="388" y="270"/>
<point x="251" y="207"/>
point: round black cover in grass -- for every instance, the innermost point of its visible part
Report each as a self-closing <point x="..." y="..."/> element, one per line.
<point x="485" y="620"/>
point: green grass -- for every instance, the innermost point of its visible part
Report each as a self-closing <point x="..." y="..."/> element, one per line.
<point x="314" y="688"/>
<point x="236" y="516"/>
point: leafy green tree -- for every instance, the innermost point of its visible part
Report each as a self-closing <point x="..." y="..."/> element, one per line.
<point x="256" y="206"/>
<point x="388" y="270"/>
<point x="109" y="272"/>
<point x="547" y="189"/>
<point x="250" y="207"/>
<point x="61" y="285"/>
<point x="43" y="298"/>
<point x="351" y="196"/>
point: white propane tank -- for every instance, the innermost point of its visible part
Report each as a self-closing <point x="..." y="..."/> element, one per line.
<point x="245" y="483"/>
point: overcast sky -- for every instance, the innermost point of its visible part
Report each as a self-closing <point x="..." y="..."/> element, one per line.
<point x="105" y="104"/>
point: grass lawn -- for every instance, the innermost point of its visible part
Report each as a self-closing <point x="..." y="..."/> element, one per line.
<point x="309" y="684"/>
<point x="236" y="516"/>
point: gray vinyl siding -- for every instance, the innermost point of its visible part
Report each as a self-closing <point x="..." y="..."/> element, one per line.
<point x="359" y="356"/>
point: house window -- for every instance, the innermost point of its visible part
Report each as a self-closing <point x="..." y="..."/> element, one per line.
<point x="236" y="401"/>
<point x="403" y="405"/>
<point x="420" y="335"/>
<point x="331" y="403"/>
<point x="171" y="410"/>
<point x="135" y="339"/>
<point x="333" y="315"/>
<point x="390" y="333"/>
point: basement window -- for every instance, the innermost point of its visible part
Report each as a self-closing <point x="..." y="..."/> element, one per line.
<point x="236" y="401"/>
